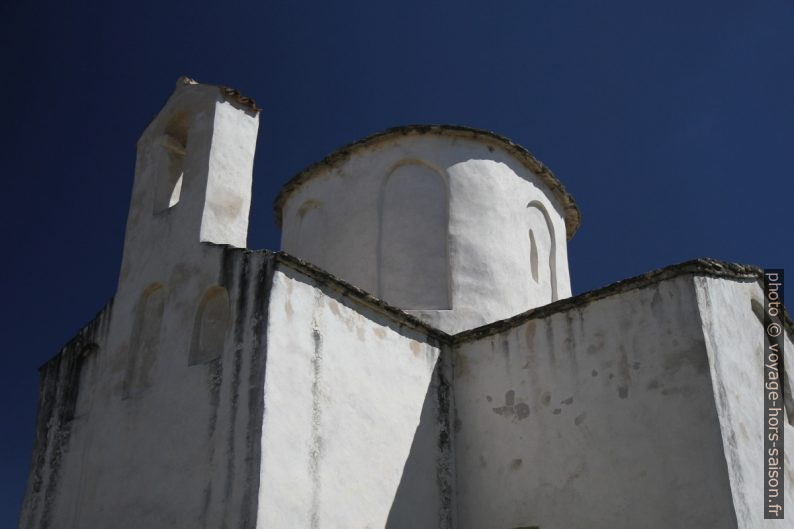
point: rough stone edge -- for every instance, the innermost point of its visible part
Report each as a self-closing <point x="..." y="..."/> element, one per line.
<point x="572" y="214"/>
<point x="234" y="96"/>
<point x="696" y="267"/>
<point x="85" y="332"/>
<point x="363" y="297"/>
<point x="324" y="278"/>
<point x="227" y="92"/>
<point x="57" y="397"/>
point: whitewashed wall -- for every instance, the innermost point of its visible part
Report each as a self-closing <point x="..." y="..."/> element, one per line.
<point x="155" y="439"/>
<point x="315" y="410"/>
<point x="735" y="344"/>
<point x="192" y="181"/>
<point x="344" y="393"/>
<point x="436" y="224"/>
<point x="147" y="417"/>
<point x="152" y="416"/>
<point x="227" y="388"/>
<point x="598" y="416"/>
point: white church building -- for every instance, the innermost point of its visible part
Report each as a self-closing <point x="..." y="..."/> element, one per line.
<point x="411" y="359"/>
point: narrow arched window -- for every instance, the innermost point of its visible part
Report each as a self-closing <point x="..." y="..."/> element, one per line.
<point x="413" y="261"/>
<point x="145" y="340"/>
<point x="211" y="324"/>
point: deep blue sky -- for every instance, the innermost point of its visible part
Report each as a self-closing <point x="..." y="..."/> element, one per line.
<point x="670" y="122"/>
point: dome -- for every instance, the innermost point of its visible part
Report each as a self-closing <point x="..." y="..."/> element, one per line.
<point x="458" y="226"/>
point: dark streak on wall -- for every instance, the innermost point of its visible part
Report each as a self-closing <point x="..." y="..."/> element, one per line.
<point x="59" y="389"/>
<point x="215" y="380"/>
<point x="248" y="277"/>
<point x="240" y="287"/>
<point x="256" y="389"/>
<point x="316" y="447"/>
<point x="445" y="473"/>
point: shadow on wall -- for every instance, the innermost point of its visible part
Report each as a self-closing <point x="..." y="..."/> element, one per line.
<point x="424" y="496"/>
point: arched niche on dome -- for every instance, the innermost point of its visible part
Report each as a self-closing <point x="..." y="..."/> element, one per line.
<point x="413" y="262"/>
<point x="542" y="258"/>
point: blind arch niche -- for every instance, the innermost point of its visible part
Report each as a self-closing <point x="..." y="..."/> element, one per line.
<point x="413" y="262"/>
<point x="542" y="252"/>
<point x="212" y="322"/>
<point x="144" y="341"/>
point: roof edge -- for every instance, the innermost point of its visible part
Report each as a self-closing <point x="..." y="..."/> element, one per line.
<point x="226" y="91"/>
<point x="86" y="335"/>
<point x="696" y="267"/>
<point x="360" y="295"/>
<point x="337" y="157"/>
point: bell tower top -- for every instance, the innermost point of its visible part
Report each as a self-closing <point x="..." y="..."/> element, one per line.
<point x="192" y="175"/>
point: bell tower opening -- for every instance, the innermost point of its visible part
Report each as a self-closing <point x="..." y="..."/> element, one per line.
<point x="174" y="149"/>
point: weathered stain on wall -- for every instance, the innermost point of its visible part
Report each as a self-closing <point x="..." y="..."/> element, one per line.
<point x="62" y="380"/>
<point x="345" y="391"/>
<point x="223" y="387"/>
<point x="641" y="432"/>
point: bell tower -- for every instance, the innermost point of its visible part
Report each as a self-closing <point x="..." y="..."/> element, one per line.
<point x="192" y="176"/>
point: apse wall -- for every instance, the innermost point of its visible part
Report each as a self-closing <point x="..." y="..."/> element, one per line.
<point x="456" y="229"/>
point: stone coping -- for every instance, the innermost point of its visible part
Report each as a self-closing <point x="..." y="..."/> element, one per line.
<point x="695" y="267"/>
<point x="337" y="157"/>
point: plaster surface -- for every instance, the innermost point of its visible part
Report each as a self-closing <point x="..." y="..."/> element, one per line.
<point x="128" y="412"/>
<point x="222" y="387"/>
<point x="597" y="416"/>
<point x="344" y="394"/>
<point x="320" y="407"/>
<point x="732" y="316"/>
<point x="456" y="229"/>
<point x="126" y="420"/>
